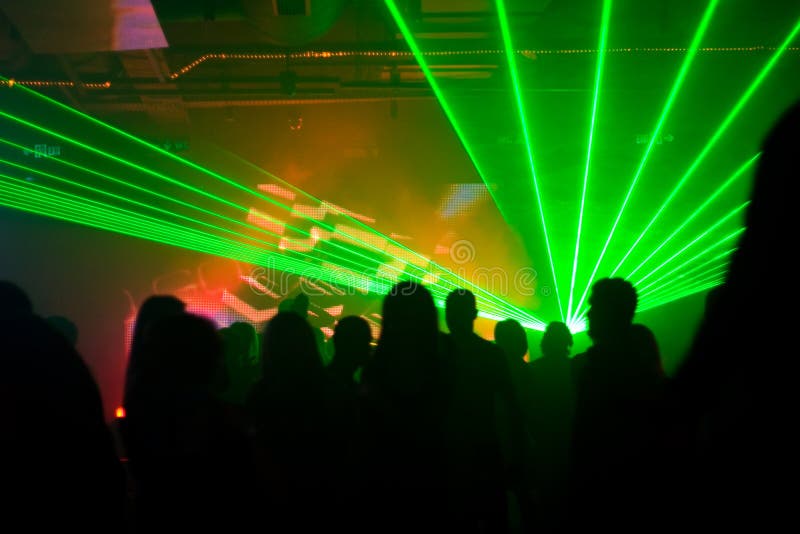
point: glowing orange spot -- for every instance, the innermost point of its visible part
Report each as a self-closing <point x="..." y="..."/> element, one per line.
<point x="120" y="413"/>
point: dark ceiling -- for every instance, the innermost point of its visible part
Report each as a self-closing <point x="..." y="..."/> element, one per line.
<point x="267" y="52"/>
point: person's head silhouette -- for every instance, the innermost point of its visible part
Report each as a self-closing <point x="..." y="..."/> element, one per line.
<point x="185" y="351"/>
<point x="406" y="355"/>
<point x="407" y="308"/>
<point x="153" y="309"/>
<point x="242" y="340"/>
<point x="286" y="305"/>
<point x="612" y="306"/>
<point x="351" y="342"/>
<point x="556" y="341"/>
<point x="14" y="302"/>
<point x="460" y="311"/>
<point x="300" y="305"/>
<point x="510" y="336"/>
<point x="66" y="327"/>
<point x="289" y="354"/>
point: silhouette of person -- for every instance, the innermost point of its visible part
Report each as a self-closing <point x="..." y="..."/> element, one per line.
<point x="351" y="340"/>
<point x="242" y="369"/>
<point x="14" y="302"/>
<point x="300" y="305"/>
<point x="286" y="305"/>
<point x="644" y="343"/>
<point x="153" y="308"/>
<point x="403" y="383"/>
<point x="614" y="412"/>
<point x="65" y="326"/>
<point x="510" y="336"/>
<point x="733" y="398"/>
<point x="479" y="382"/>
<point x="553" y="393"/>
<point x="288" y="414"/>
<point x="57" y="456"/>
<point x="190" y="464"/>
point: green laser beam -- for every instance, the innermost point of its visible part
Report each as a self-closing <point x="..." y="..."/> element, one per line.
<point x="728" y="237"/>
<point x="512" y="66"/>
<point x="691" y="260"/>
<point x="258" y="195"/>
<point x="423" y="65"/>
<point x="114" y="219"/>
<point x="162" y="226"/>
<point x="667" y="296"/>
<point x="735" y="176"/>
<point x="689" y="292"/>
<point x="157" y="209"/>
<point x="90" y="205"/>
<point x="683" y="281"/>
<point x="682" y="276"/>
<point x="700" y="237"/>
<point x="706" y="283"/>
<point x="729" y="118"/>
<point x="353" y="263"/>
<point x="605" y="22"/>
<point x="139" y="188"/>
<point x="108" y="219"/>
<point x="478" y="290"/>
<point x="688" y="59"/>
<point x="244" y="188"/>
<point x="182" y="184"/>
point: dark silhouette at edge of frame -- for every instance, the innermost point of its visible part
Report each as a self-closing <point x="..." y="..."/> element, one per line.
<point x="732" y="400"/>
<point x="59" y="463"/>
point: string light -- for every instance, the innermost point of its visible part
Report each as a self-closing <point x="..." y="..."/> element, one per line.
<point x="11" y="82"/>
<point x="529" y="53"/>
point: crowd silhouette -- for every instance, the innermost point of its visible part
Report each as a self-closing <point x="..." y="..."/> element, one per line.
<point x="418" y="430"/>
